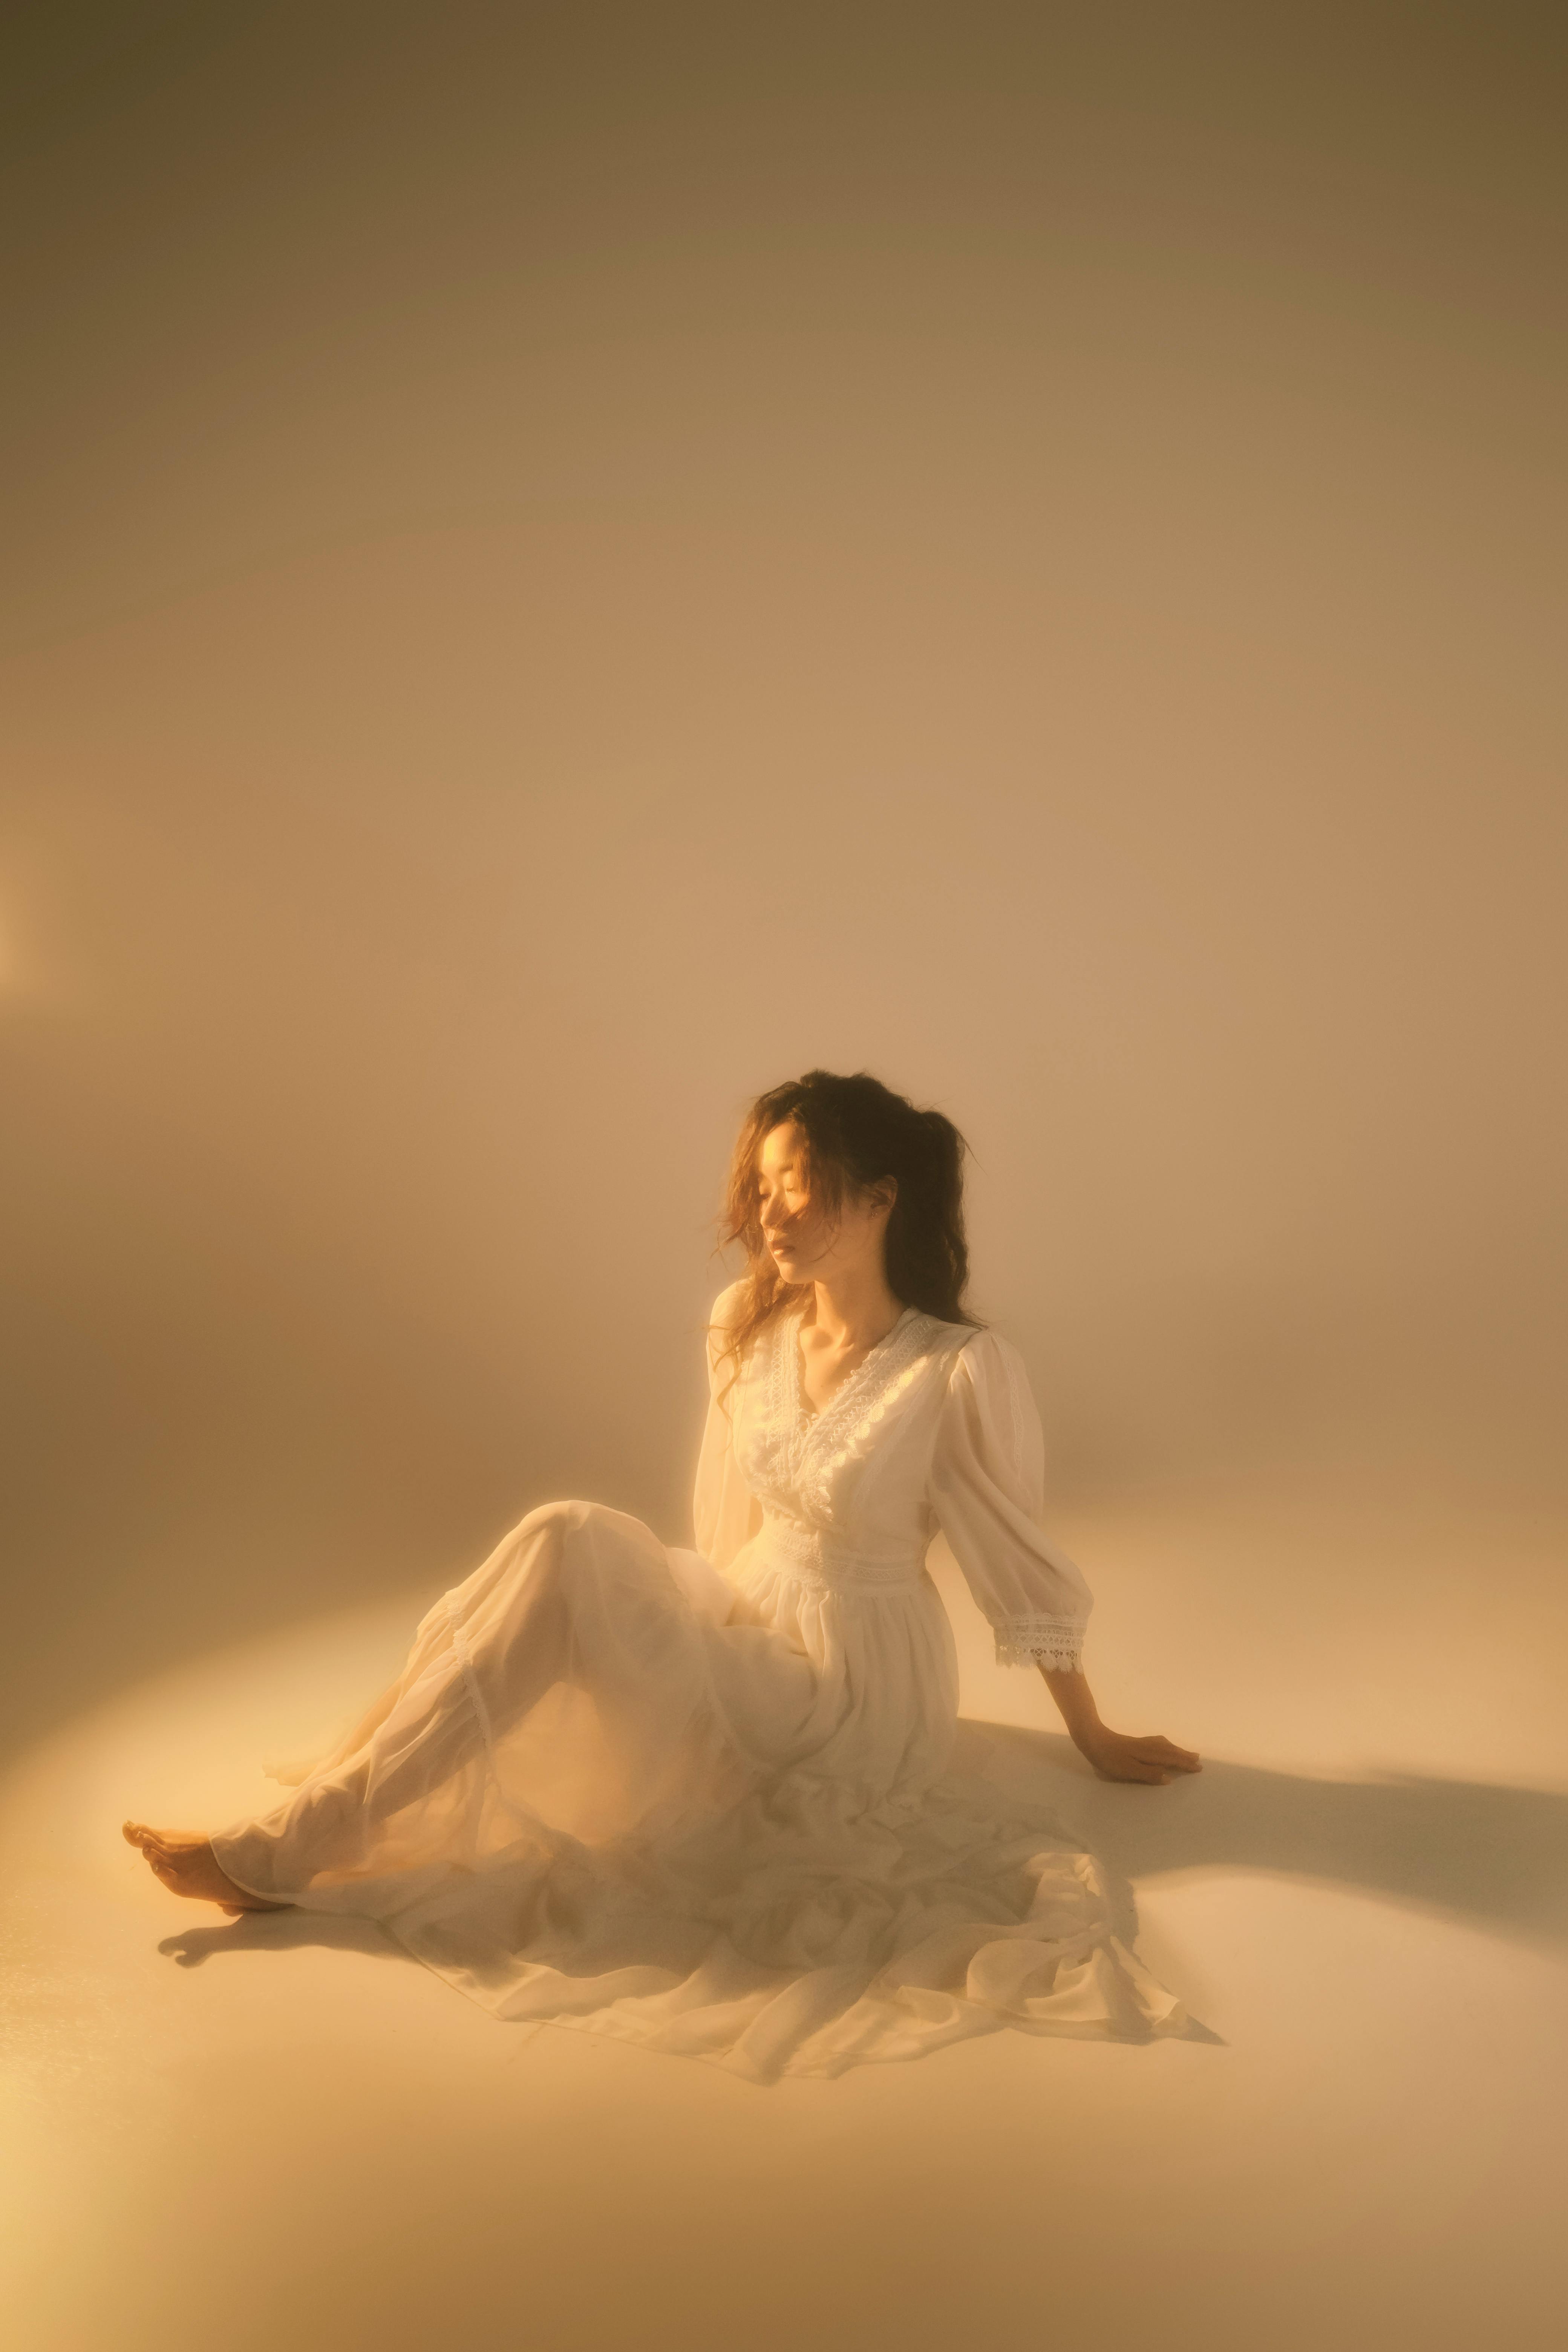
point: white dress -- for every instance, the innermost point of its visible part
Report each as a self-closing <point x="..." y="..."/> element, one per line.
<point x="702" y="1799"/>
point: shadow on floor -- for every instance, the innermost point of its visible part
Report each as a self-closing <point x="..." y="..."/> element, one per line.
<point x="279" y="1931"/>
<point x="1488" y="1857"/>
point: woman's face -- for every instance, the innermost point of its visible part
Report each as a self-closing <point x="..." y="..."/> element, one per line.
<point x="801" y="1241"/>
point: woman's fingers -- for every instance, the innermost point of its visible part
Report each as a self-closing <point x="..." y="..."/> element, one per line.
<point x="1157" y="1760"/>
<point x="1152" y="1758"/>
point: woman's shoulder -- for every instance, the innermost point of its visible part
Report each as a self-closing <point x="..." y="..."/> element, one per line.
<point x="726" y="1307"/>
<point x="952" y="1334"/>
<point x="977" y="1351"/>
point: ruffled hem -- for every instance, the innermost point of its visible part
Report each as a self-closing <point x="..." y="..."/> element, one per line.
<point x="788" y="1940"/>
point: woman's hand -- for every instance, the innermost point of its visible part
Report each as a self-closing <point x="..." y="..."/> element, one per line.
<point x="1121" y="1756"/>
<point x="1115" y="1755"/>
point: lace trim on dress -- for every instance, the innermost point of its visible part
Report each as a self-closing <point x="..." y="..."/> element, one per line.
<point x="774" y="1434"/>
<point x="1053" y="1642"/>
<point x="840" y="1432"/>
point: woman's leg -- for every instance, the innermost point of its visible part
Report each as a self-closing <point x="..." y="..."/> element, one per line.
<point x="401" y="1792"/>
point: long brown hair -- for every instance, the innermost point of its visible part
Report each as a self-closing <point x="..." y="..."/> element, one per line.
<point x="857" y="1131"/>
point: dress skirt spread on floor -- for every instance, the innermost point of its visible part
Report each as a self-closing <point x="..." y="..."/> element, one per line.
<point x="703" y="1799"/>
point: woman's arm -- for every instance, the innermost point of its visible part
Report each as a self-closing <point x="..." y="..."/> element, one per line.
<point x="988" y="1490"/>
<point x="1115" y="1755"/>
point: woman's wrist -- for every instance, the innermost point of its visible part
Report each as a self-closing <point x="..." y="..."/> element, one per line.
<point x="1075" y="1704"/>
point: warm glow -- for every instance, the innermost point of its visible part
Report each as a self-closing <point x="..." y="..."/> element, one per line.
<point x="566" y="565"/>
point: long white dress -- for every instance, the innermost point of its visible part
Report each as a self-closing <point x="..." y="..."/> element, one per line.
<point x="702" y="1798"/>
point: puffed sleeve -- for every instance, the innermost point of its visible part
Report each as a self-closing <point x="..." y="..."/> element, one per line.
<point x="988" y="1492"/>
<point x="724" y="1511"/>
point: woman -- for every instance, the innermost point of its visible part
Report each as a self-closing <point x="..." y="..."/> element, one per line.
<point x="702" y="1800"/>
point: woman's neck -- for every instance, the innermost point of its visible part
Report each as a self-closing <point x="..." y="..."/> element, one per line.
<point x="854" y="1309"/>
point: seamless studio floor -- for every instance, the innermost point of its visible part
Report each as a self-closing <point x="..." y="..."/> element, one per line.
<point x="279" y="2132"/>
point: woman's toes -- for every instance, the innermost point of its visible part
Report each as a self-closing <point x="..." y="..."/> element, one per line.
<point x="183" y="1862"/>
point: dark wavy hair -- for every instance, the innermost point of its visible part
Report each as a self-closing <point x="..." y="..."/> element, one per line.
<point x="857" y="1131"/>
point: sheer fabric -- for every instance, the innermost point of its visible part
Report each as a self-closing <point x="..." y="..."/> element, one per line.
<point x="702" y="1798"/>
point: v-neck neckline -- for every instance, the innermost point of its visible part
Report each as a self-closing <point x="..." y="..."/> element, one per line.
<point x="805" y="1414"/>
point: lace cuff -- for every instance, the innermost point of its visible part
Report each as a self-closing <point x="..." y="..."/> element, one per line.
<point x="1053" y="1642"/>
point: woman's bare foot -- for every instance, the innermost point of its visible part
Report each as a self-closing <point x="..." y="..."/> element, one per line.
<point x="183" y="1861"/>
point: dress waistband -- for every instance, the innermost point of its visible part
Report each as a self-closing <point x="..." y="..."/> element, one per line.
<point x="813" y="1560"/>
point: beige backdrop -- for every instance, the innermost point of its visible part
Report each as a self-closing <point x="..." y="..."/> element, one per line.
<point x="565" y="563"/>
